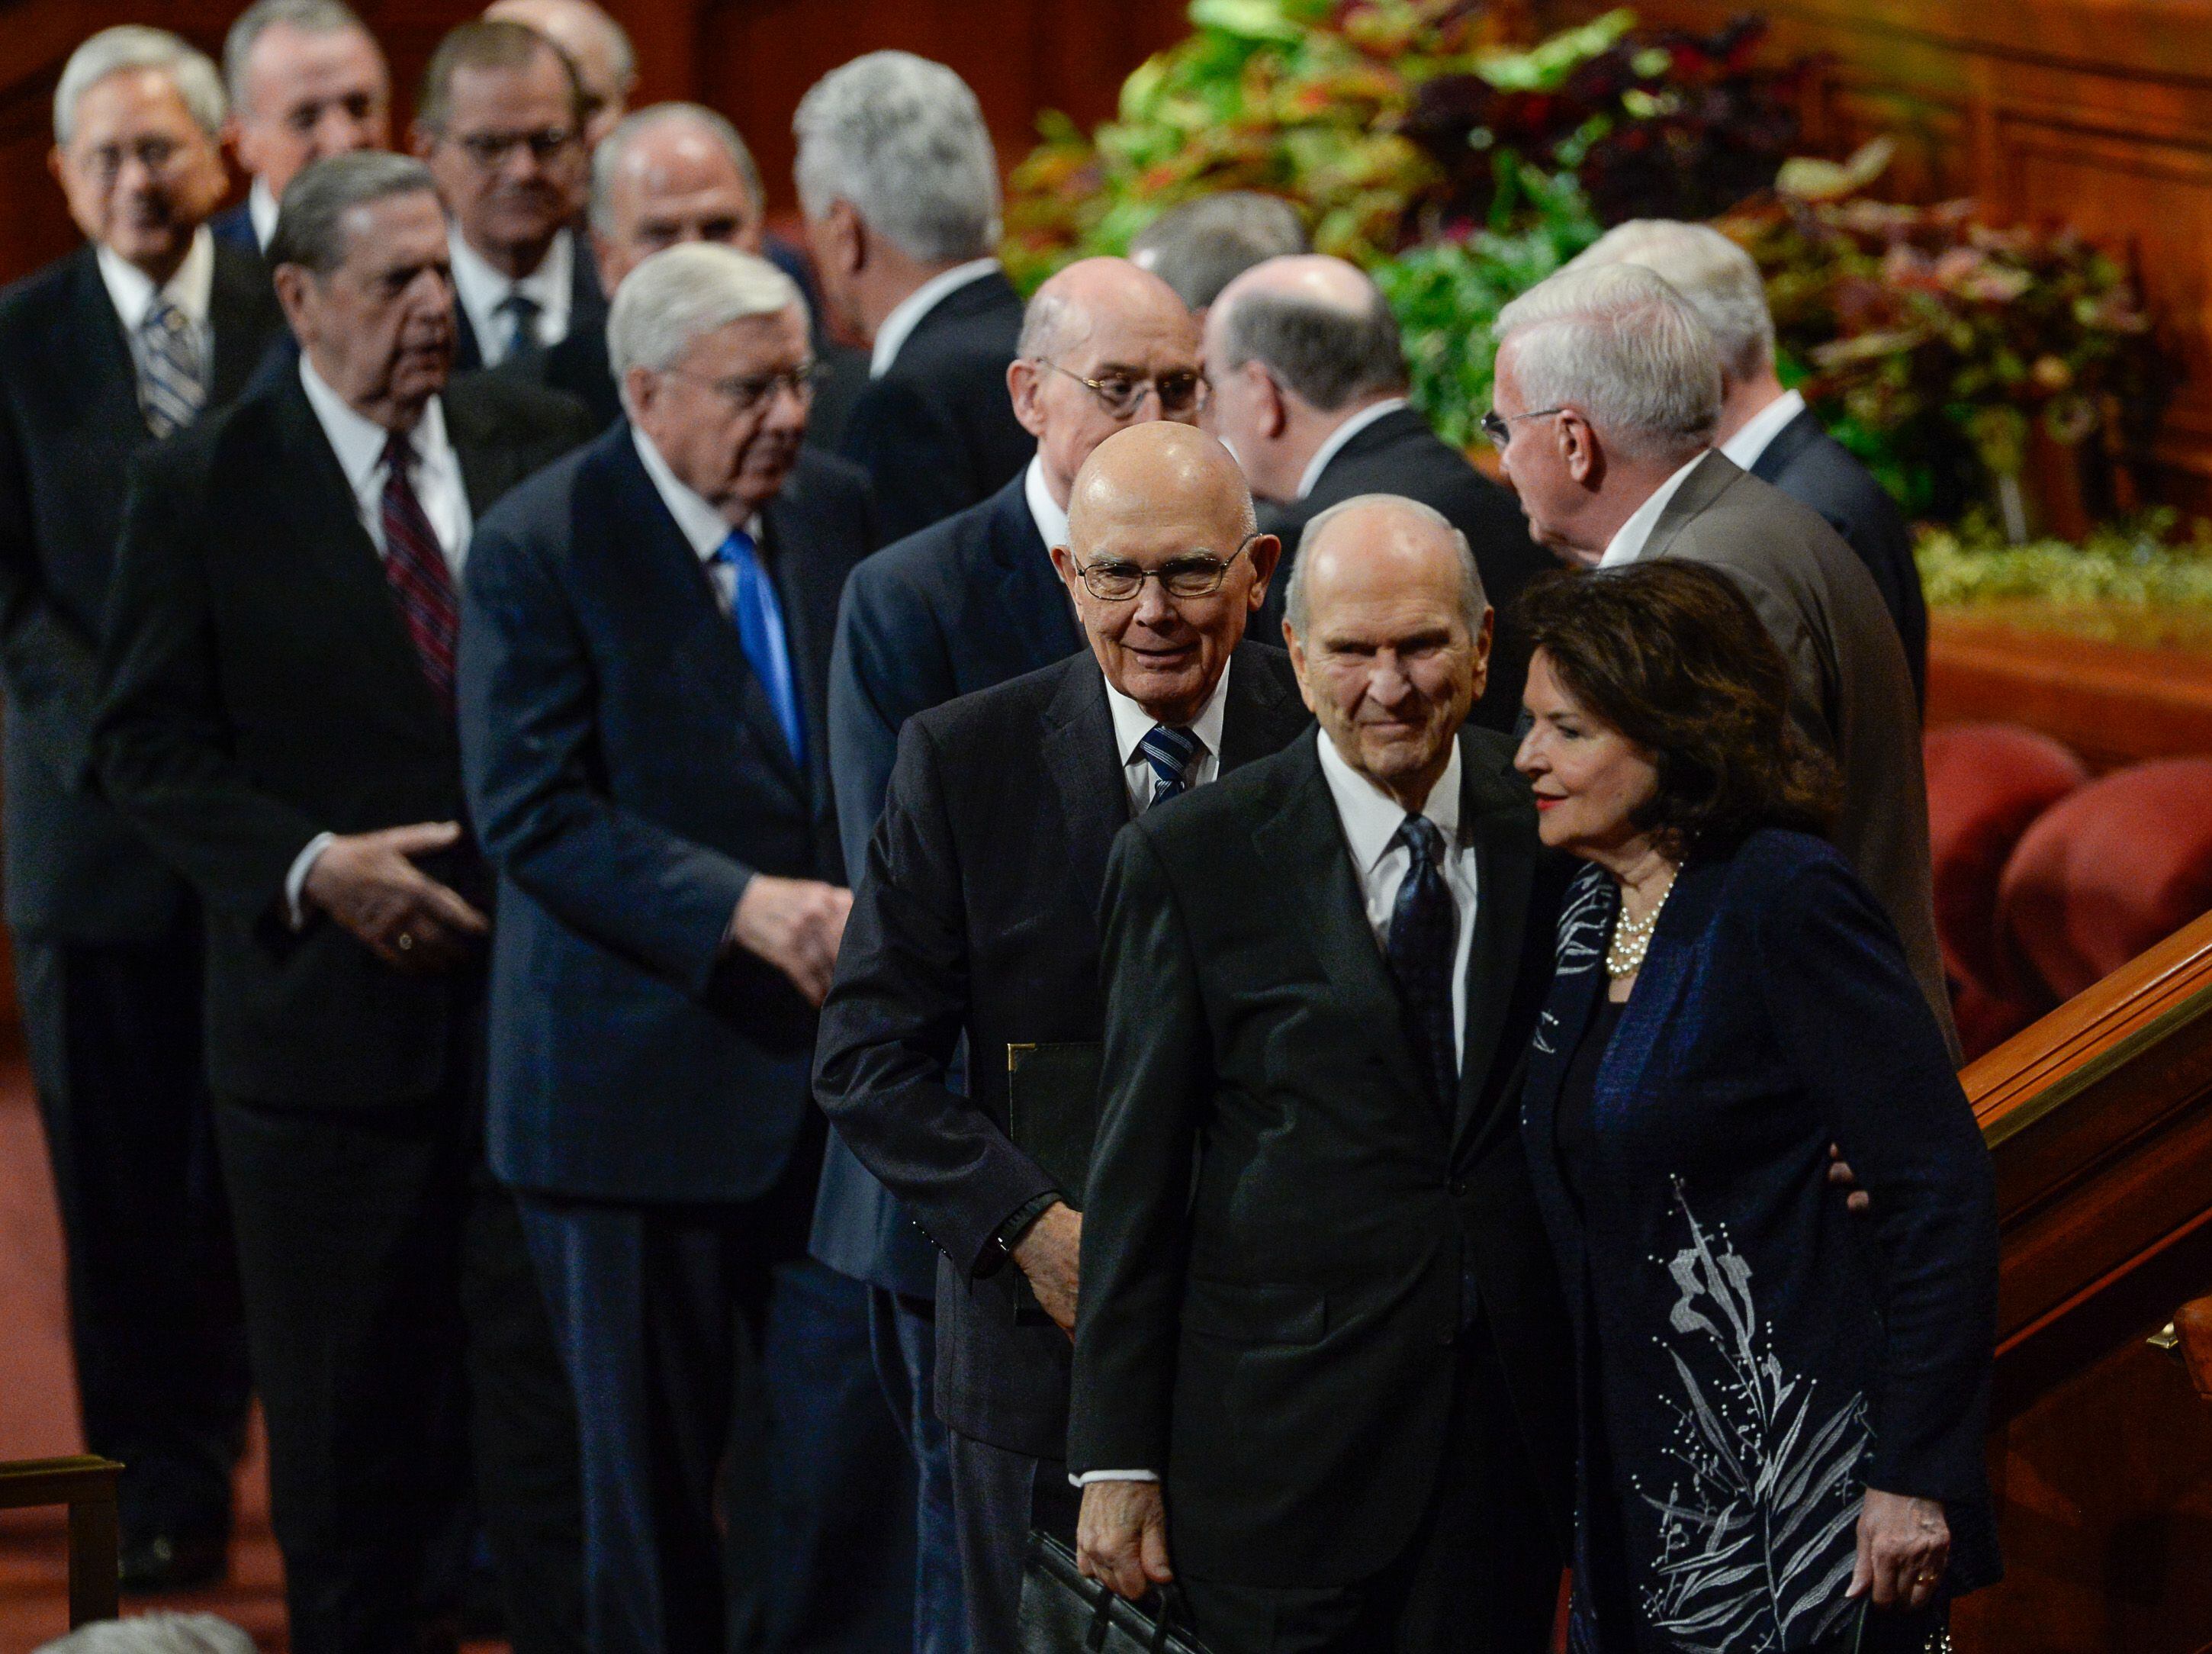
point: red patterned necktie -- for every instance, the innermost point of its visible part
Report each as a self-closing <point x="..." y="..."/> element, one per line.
<point x="416" y="566"/>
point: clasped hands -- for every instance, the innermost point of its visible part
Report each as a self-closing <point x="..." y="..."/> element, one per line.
<point x="368" y="884"/>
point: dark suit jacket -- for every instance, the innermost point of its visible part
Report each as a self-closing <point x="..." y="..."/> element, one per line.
<point x="1400" y="454"/>
<point x="1851" y="694"/>
<point x="1275" y="1332"/>
<point x="1813" y="469"/>
<point x="976" y="916"/>
<point x="966" y="603"/>
<point x="1774" y="1015"/>
<point x="627" y="777"/>
<point x="587" y="306"/>
<point x="70" y="422"/>
<point x="261" y="688"/>
<point x="234" y="226"/>
<point x="936" y="432"/>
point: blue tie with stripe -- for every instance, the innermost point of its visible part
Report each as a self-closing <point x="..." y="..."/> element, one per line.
<point x="759" y="618"/>
<point x="1173" y="755"/>
<point x="171" y="387"/>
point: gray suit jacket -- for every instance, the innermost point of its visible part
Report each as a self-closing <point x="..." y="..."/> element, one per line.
<point x="1852" y="690"/>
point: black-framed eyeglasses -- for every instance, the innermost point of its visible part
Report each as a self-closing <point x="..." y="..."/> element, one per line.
<point x="1199" y="576"/>
<point x="489" y="150"/>
<point x="1180" y="393"/>
<point x="1499" y="429"/>
<point x="752" y="391"/>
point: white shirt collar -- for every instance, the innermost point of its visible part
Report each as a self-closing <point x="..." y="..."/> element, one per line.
<point x="1131" y="723"/>
<point x="359" y="441"/>
<point x="1371" y="817"/>
<point x="481" y="290"/>
<point x="1049" y="515"/>
<point x="1762" y="427"/>
<point x="261" y="207"/>
<point x="191" y="290"/>
<point x="1333" y="443"/>
<point x="1628" y="540"/>
<point x="702" y="526"/>
<point x="907" y="314"/>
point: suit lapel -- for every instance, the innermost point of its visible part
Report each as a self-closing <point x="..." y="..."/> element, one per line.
<point x="1261" y="716"/>
<point x="1792" y="439"/>
<point x="1031" y="599"/>
<point x="786" y="524"/>
<point x="1080" y="755"/>
<point x="103" y="379"/>
<point x="239" y="311"/>
<point x="1502" y="822"/>
<point x="1578" y="981"/>
<point x="1699" y="490"/>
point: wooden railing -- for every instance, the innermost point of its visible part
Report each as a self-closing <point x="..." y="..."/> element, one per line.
<point x="87" y="1486"/>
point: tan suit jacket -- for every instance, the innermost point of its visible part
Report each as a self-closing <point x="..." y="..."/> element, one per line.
<point x="1852" y="690"/>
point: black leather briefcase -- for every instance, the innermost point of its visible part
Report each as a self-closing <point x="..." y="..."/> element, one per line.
<point x="1063" y="1613"/>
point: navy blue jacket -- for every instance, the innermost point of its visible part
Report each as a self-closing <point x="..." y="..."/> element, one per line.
<point x="627" y="777"/>
<point x="1752" y="1357"/>
<point x="966" y="604"/>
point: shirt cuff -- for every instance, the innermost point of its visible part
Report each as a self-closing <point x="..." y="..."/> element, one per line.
<point x="1090" y="1476"/>
<point x="295" y="881"/>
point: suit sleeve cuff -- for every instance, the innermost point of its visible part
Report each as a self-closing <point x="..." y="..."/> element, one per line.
<point x="1087" y="1477"/>
<point x="295" y="880"/>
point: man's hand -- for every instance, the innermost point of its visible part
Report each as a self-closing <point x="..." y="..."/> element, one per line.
<point x="1839" y="1174"/>
<point x="1051" y="1253"/>
<point x="795" y="924"/>
<point x="1904" y="1545"/>
<point x="367" y="883"/>
<point x="1121" y="1536"/>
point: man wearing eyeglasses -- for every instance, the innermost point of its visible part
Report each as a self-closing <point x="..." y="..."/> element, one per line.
<point x="975" y="918"/>
<point x="500" y="121"/>
<point x="644" y="644"/>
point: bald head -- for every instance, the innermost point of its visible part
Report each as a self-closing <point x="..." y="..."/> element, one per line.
<point x="1095" y="293"/>
<point x="668" y="174"/>
<point x="1163" y="468"/>
<point x="605" y="61"/>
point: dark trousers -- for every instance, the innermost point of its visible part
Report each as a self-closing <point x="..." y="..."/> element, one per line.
<point x="1480" y="1576"/>
<point x="114" y="1037"/>
<point x="361" y="1237"/>
<point x="742" y="1485"/>
<point x="904" y="1334"/>
<point x="998" y="1496"/>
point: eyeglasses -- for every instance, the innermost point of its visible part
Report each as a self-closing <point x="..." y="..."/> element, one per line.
<point x="1499" y="429"/>
<point x="755" y="392"/>
<point x="160" y="156"/>
<point x="489" y="150"/>
<point x="1195" y="576"/>
<point x="1180" y="393"/>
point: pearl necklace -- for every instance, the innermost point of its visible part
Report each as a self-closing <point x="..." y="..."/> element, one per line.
<point x="1632" y="938"/>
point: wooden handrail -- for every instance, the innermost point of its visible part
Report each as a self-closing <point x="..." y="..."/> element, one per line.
<point x="87" y="1485"/>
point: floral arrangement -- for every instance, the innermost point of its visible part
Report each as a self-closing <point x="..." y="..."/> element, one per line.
<point x="2140" y="580"/>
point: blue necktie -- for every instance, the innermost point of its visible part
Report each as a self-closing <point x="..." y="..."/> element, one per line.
<point x="759" y="616"/>
<point x="1424" y="934"/>
<point x="1173" y="755"/>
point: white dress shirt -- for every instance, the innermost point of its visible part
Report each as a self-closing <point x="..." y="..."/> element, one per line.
<point x="907" y="314"/>
<point x="1049" y="515"/>
<point x="1762" y="427"/>
<point x="358" y="443"/>
<point x="191" y="290"/>
<point x="480" y="291"/>
<point x="1131" y="723"/>
<point x="261" y="212"/>
<point x="1333" y="443"/>
<point x="703" y="527"/>
<point x="1628" y="540"/>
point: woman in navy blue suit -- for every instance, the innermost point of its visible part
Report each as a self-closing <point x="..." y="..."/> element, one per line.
<point x="1783" y="1403"/>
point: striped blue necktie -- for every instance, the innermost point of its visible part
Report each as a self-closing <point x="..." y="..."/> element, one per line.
<point x="759" y="618"/>
<point x="1173" y="755"/>
<point x="172" y="384"/>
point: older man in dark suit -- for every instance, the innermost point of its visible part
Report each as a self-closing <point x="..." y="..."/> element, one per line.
<point x="975" y="919"/>
<point x="644" y="640"/>
<point x="278" y="719"/>
<point x="103" y="354"/>
<point x="1321" y="1361"/>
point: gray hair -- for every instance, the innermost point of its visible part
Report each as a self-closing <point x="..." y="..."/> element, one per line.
<point x="1618" y="344"/>
<point x="682" y="292"/>
<point x="1718" y="277"/>
<point x="1201" y="247"/>
<point x="1474" y="601"/>
<point x="1325" y="355"/>
<point x="133" y="46"/>
<point x="311" y="219"/>
<point x="607" y="159"/>
<point x="154" y="1633"/>
<point x="308" y="16"/>
<point x="904" y="140"/>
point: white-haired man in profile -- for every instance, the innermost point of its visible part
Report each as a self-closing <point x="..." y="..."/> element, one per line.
<point x="900" y="187"/>
<point x="1769" y="430"/>
<point x="1607" y="397"/>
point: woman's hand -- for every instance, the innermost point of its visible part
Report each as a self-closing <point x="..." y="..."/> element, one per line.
<point x="1904" y="1545"/>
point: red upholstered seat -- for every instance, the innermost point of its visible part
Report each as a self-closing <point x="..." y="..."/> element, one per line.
<point x="2112" y="869"/>
<point x="1987" y="783"/>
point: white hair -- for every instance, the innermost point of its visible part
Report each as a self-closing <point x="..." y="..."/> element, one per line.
<point x="682" y="292"/>
<point x="1474" y="601"/>
<point x="308" y="16"/>
<point x="154" y="1633"/>
<point x="1618" y="344"/>
<point x="904" y="140"/>
<point x="1717" y="277"/>
<point x="134" y="45"/>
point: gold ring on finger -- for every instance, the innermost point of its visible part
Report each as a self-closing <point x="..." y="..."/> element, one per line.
<point x="406" y="942"/>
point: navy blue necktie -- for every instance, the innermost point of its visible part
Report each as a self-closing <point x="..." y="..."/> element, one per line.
<point x="1423" y="932"/>
<point x="759" y="620"/>
<point x="522" y="312"/>
<point x="1173" y="755"/>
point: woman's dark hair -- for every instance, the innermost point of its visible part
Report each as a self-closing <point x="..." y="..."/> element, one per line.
<point x="1673" y="656"/>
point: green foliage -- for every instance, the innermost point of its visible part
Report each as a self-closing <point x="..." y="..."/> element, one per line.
<point x="2138" y="581"/>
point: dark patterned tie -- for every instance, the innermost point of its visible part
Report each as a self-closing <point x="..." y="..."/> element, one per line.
<point x="171" y="385"/>
<point x="416" y="566"/>
<point x="1173" y="755"/>
<point x="1424" y="932"/>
